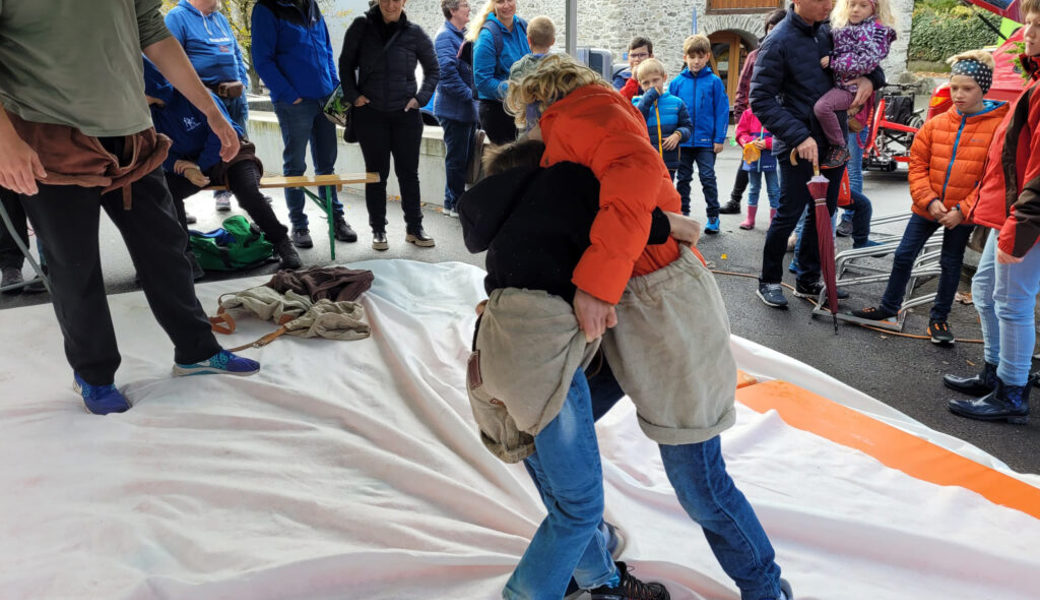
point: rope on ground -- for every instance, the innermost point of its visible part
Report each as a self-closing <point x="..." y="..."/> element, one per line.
<point x="912" y="336"/>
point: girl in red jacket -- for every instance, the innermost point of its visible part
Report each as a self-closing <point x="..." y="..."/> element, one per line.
<point x="642" y="299"/>
<point x="1008" y="278"/>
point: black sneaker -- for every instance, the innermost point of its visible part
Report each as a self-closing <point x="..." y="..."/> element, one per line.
<point x="772" y="294"/>
<point x="12" y="276"/>
<point x="730" y="208"/>
<point x="343" y="231"/>
<point x="874" y="314"/>
<point x="812" y="290"/>
<point x="288" y="255"/>
<point x="940" y="332"/>
<point x="844" y="228"/>
<point x="419" y="238"/>
<point x="630" y="588"/>
<point x="837" y="156"/>
<point x="301" y="238"/>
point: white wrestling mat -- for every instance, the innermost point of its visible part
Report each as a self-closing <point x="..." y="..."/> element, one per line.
<point x="352" y="470"/>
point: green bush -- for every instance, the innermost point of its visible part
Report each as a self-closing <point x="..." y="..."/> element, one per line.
<point x="937" y="35"/>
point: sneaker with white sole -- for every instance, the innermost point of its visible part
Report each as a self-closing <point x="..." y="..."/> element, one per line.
<point x="222" y="362"/>
<point x="100" y="399"/>
<point x="629" y="588"/>
<point x="772" y="294"/>
<point x="940" y="333"/>
<point x="222" y="201"/>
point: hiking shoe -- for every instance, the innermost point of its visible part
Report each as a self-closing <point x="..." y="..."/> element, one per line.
<point x="222" y="362"/>
<point x="874" y="314"/>
<point x="812" y="290"/>
<point x="629" y="588"/>
<point x="223" y="201"/>
<point x="419" y="238"/>
<point x="730" y="208"/>
<point x="100" y="399"/>
<point x="772" y="294"/>
<point x="713" y="226"/>
<point x="190" y="219"/>
<point x="301" y="238"/>
<point x="379" y="241"/>
<point x="288" y="255"/>
<point x="11" y="276"/>
<point x="343" y="231"/>
<point x="837" y="156"/>
<point x="940" y="332"/>
<point x="845" y="230"/>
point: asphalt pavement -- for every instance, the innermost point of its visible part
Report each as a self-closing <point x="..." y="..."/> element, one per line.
<point x="903" y="373"/>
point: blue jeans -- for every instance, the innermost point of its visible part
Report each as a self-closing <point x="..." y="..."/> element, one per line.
<point x="567" y="468"/>
<point x="755" y="178"/>
<point x="855" y="168"/>
<point x="917" y="232"/>
<point x="705" y="158"/>
<point x="1005" y="296"/>
<point x="458" y="141"/>
<point x="238" y="110"/>
<point x="302" y="123"/>
<point x="706" y="492"/>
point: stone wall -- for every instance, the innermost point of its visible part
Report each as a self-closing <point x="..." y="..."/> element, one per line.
<point x="611" y="24"/>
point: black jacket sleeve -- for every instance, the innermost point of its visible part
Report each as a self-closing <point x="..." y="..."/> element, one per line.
<point x="660" y="228"/>
<point x="431" y="68"/>
<point x="766" y="82"/>
<point x="349" y="57"/>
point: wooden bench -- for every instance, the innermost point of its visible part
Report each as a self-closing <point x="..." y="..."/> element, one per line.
<point x="321" y="181"/>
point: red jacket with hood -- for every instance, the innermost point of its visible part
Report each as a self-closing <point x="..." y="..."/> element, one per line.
<point x="1009" y="197"/>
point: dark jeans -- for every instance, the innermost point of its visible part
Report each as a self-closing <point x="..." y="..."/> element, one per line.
<point x="794" y="198"/>
<point x="242" y="181"/>
<point x="499" y="126"/>
<point x="301" y="124"/>
<point x="739" y="185"/>
<point x="705" y="158"/>
<point x="238" y="110"/>
<point x="917" y="232"/>
<point x="395" y="133"/>
<point x="67" y="217"/>
<point x="10" y="255"/>
<point x="458" y="142"/>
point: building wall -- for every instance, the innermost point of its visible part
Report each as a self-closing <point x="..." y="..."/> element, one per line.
<point x="611" y="24"/>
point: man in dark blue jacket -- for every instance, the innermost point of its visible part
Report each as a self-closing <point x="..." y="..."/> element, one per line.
<point x="788" y="80"/>
<point x="292" y="53"/>
<point x="212" y="49"/>
<point x="453" y="105"/>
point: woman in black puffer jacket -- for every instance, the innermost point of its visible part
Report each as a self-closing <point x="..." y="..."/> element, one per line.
<point x="377" y="69"/>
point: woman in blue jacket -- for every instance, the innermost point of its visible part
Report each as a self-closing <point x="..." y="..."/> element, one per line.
<point x="499" y="39"/>
<point x="453" y="105"/>
<point x="380" y="51"/>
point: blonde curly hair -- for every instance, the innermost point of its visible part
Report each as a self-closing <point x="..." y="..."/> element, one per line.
<point x="555" y="76"/>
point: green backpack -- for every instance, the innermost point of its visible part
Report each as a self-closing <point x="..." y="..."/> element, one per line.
<point x="237" y="245"/>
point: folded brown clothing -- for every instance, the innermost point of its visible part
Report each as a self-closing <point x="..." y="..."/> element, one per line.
<point x="324" y="283"/>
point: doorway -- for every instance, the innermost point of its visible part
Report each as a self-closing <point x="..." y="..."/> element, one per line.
<point x="729" y="51"/>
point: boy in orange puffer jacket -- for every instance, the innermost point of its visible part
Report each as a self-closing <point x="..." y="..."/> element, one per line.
<point x="946" y="163"/>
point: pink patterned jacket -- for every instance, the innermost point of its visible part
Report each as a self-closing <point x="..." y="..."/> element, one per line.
<point x="859" y="49"/>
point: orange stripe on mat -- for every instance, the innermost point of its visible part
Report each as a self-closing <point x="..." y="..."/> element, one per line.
<point x="895" y="448"/>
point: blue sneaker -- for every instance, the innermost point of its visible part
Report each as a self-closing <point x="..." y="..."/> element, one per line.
<point x="100" y="399"/>
<point x="713" y="226"/>
<point x="772" y="294"/>
<point x="222" y="362"/>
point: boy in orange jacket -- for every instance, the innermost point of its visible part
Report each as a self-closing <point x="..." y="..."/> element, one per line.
<point x="946" y="163"/>
<point x="640" y="299"/>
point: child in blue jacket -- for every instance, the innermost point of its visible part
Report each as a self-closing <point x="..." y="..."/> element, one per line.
<point x="708" y="105"/>
<point x="194" y="163"/>
<point x="667" y="120"/>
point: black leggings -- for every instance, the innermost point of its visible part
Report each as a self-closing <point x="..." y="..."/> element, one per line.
<point x="242" y="181"/>
<point x="499" y="126"/>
